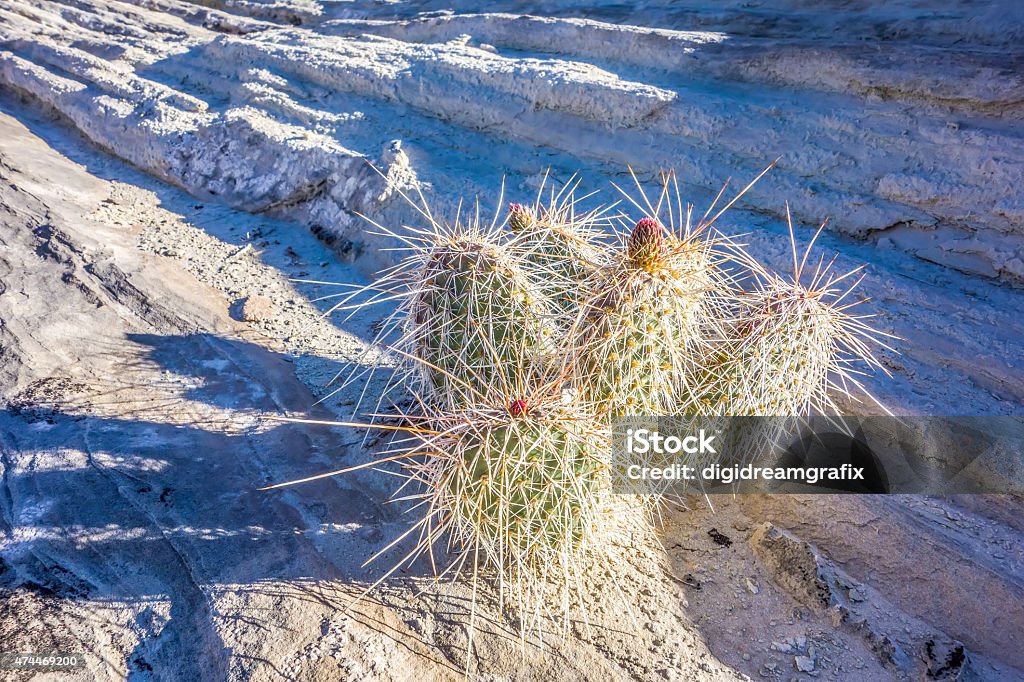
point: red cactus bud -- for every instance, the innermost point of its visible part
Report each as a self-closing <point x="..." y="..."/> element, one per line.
<point x="519" y="217"/>
<point x="645" y="242"/>
<point x="518" y="408"/>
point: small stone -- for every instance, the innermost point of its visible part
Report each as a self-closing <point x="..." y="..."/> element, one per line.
<point x="752" y="587"/>
<point x="370" y="533"/>
<point x="804" y="664"/>
<point x="720" y="538"/>
<point x="256" y="309"/>
<point x="746" y="657"/>
<point x="416" y="625"/>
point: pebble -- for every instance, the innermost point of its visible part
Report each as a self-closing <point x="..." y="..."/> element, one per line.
<point x="416" y="625"/>
<point x="370" y="533"/>
<point x="804" y="664"/>
<point x="256" y="309"/>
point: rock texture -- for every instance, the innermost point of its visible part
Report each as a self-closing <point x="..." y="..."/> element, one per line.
<point x="176" y="177"/>
<point x="135" y="435"/>
<point x="897" y="126"/>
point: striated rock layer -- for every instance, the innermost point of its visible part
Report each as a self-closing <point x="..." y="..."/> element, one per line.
<point x="895" y="126"/>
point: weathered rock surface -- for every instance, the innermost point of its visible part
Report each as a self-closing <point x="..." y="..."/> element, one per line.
<point x="134" y="437"/>
<point x="894" y="126"/>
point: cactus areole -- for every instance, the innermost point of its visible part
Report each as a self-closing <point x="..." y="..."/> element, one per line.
<point x="646" y="242"/>
<point x="519" y="217"/>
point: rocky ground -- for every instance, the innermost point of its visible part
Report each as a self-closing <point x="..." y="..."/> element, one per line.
<point x="170" y="171"/>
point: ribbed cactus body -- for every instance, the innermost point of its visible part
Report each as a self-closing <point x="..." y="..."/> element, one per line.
<point x="519" y="489"/>
<point x="561" y="252"/>
<point x="785" y="356"/>
<point x="778" y="361"/>
<point x="476" y="319"/>
<point x="526" y="488"/>
<point x="775" y="368"/>
<point x="645" y="328"/>
<point x="564" y="258"/>
<point x="632" y="362"/>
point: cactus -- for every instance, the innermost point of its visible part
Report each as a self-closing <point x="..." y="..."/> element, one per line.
<point x="468" y="314"/>
<point x="652" y="310"/>
<point x="475" y="315"/>
<point x="520" y="486"/>
<point x="790" y="349"/>
<point x="524" y="484"/>
<point x="561" y="245"/>
<point x="517" y="487"/>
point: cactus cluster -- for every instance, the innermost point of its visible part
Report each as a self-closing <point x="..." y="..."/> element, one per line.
<point x="523" y="339"/>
